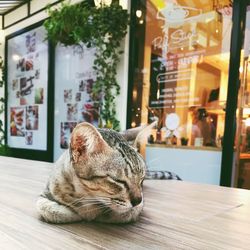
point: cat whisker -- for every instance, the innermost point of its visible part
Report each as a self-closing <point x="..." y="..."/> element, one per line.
<point x="89" y="199"/>
<point x="83" y="204"/>
<point x="105" y="209"/>
<point x="100" y="204"/>
<point x="93" y="203"/>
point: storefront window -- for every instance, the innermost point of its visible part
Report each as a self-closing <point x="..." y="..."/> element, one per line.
<point x="242" y="140"/>
<point x="180" y="76"/>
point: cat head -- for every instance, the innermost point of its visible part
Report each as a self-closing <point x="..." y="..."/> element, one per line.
<point x="110" y="170"/>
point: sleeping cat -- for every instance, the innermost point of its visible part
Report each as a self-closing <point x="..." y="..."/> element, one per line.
<point x="99" y="178"/>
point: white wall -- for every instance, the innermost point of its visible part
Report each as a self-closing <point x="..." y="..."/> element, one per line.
<point x="122" y="77"/>
<point x="197" y="165"/>
<point x="21" y="12"/>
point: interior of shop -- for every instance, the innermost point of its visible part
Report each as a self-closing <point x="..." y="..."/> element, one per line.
<point x="182" y="75"/>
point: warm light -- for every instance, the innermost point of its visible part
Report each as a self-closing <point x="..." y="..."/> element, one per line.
<point x="16" y="57"/>
<point x="138" y="109"/>
<point x="138" y="13"/>
<point x="181" y="48"/>
<point x="134" y="94"/>
<point x="133" y="124"/>
<point x="217" y="31"/>
<point x="158" y="94"/>
<point x="247" y="122"/>
<point x="246" y="112"/>
<point x="141" y="22"/>
<point x="241" y="69"/>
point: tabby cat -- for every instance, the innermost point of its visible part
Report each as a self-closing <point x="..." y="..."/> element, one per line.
<point x="98" y="178"/>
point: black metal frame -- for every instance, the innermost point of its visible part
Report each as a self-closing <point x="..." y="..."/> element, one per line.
<point x="133" y="55"/>
<point x="237" y="38"/>
<point x="131" y="62"/>
<point x="46" y="155"/>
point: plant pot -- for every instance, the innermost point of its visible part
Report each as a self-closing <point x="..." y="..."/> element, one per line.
<point x="184" y="141"/>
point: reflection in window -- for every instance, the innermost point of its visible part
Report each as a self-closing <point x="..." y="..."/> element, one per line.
<point x="181" y="68"/>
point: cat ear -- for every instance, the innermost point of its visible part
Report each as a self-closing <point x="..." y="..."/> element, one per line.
<point x="86" y="141"/>
<point x="139" y="134"/>
<point x="130" y="134"/>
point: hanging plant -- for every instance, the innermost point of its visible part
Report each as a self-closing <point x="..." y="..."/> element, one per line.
<point x="102" y="28"/>
<point x="4" y="149"/>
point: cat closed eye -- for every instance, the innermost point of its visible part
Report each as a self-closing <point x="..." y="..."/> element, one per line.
<point x="124" y="183"/>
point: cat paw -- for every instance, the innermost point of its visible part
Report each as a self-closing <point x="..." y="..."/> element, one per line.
<point x="53" y="212"/>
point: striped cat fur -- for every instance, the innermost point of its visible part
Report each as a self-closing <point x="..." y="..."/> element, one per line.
<point x="98" y="178"/>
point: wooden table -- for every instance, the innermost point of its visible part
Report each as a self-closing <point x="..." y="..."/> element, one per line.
<point x="177" y="215"/>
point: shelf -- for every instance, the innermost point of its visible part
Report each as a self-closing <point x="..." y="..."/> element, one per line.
<point x="156" y="145"/>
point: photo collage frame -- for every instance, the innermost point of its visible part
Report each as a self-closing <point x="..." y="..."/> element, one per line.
<point x="27" y="78"/>
<point x="75" y="101"/>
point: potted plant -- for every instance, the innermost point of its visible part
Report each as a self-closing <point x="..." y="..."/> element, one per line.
<point x="184" y="141"/>
<point x="102" y="28"/>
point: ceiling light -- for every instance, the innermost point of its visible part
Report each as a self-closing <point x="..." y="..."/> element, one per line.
<point x="138" y="13"/>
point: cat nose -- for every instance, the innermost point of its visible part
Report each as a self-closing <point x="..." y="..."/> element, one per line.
<point x="136" y="201"/>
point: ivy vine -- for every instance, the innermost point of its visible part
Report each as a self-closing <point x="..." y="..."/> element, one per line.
<point x="4" y="149"/>
<point x="102" y="28"/>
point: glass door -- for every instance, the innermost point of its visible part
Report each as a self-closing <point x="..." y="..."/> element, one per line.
<point x="179" y="74"/>
<point x="242" y="139"/>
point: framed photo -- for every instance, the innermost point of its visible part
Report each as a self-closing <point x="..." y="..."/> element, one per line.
<point x="74" y="99"/>
<point x="28" y="93"/>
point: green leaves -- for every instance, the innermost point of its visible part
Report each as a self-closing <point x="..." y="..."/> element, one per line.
<point x="68" y="24"/>
<point x="103" y="28"/>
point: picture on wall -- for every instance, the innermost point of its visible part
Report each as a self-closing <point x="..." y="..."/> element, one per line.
<point x="74" y="99"/>
<point x="66" y="130"/>
<point x="17" y="121"/>
<point x="27" y="81"/>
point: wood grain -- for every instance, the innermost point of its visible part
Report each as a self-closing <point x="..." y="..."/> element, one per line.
<point x="177" y="215"/>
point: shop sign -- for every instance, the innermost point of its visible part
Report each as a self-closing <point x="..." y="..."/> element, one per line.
<point x="174" y="16"/>
<point x="171" y="72"/>
<point x="178" y="39"/>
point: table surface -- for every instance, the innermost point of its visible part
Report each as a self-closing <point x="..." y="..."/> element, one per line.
<point x="177" y="215"/>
